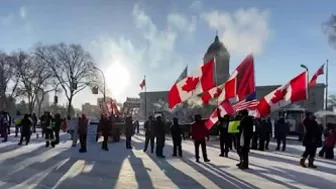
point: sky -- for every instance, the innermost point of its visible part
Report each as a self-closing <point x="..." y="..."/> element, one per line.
<point x="158" y="38"/>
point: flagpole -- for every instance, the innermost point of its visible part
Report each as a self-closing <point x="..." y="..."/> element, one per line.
<point x="216" y="78"/>
<point x="145" y="97"/>
<point x="326" y="95"/>
<point x="326" y="86"/>
<point x="307" y="70"/>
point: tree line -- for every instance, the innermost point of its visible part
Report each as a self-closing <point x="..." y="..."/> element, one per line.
<point x="32" y="74"/>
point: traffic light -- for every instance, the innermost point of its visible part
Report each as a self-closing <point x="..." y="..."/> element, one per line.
<point x="55" y="99"/>
<point x="94" y="90"/>
<point x="74" y="85"/>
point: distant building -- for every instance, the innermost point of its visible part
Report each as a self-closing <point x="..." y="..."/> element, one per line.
<point x="90" y="110"/>
<point x="157" y="100"/>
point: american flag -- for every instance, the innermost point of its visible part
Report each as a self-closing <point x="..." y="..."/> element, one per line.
<point x="249" y="103"/>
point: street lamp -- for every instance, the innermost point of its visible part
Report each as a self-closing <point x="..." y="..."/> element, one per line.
<point x="104" y="92"/>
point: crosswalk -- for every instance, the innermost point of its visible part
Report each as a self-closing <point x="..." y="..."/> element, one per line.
<point x="35" y="166"/>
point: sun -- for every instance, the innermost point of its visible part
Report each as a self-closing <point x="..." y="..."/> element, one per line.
<point x="117" y="78"/>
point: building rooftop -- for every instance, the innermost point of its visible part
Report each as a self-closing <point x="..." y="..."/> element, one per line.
<point x="216" y="46"/>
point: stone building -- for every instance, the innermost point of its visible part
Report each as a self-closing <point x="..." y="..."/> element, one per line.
<point x="157" y="100"/>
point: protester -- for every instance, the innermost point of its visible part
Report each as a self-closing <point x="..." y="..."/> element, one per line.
<point x="18" y="120"/>
<point x="137" y="126"/>
<point x="176" y="133"/>
<point x="262" y="133"/>
<point x="34" y="119"/>
<point x="129" y="131"/>
<point x="269" y="131"/>
<point x="4" y="125"/>
<point x="47" y="128"/>
<point x="199" y="133"/>
<point x="245" y="133"/>
<point x="312" y="140"/>
<point x="57" y="127"/>
<point x="224" y="136"/>
<point x="281" y="131"/>
<point x="83" y="124"/>
<point x="149" y="133"/>
<point x="104" y="127"/>
<point x="327" y="150"/>
<point x="25" y="129"/>
<point x="160" y="136"/>
<point x="72" y="125"/>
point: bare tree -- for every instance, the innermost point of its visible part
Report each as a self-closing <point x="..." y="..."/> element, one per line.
<point x="72" y="66"/>
<point x="8" y="81"/>
<point x="329" y="28"/>
<point x="34" y="76"/>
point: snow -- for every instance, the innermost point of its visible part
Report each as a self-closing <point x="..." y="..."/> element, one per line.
<point x="35" y="166"/>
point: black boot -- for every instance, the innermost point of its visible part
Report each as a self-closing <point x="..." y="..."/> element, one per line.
<point x="302" y="162"/>
<point x="311" y="163"/>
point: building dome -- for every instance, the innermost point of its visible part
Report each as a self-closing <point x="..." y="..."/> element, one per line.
<point x="219" y="51"/>
<point x="216" y="47"/>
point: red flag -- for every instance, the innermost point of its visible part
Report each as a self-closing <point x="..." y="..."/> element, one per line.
<point x="319" y="72"/>
<point x="114" y="108"/>
<point x="143" y="83"/>
<point x="201" y="81"/>
<point x="240" y="84"/>
<point x="295" y="90"/>
<point x="225" y="108"/>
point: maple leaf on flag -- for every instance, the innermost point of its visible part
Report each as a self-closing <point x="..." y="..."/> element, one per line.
<point x="218" y="92"/>
<point x="190" y="84"/>
<point x="279" y="95"/>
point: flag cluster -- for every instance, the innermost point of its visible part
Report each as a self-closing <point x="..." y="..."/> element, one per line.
<point x="238" y="92"/>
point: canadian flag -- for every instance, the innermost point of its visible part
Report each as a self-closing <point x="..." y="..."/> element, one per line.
<point x="295" y="90"/>
<point x="114" y="108"/>
<point x="240" y="84"/>
<point x="225" y="108"/>
<point x="319" y="72"/>
<point x="201" y="81"/>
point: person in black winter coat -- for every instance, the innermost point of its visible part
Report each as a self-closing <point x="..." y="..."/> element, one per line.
<point x="25" y="129"/>
<point x="281" y="131"/>
<point x="57" y="127"/>
<point x="149" y="133"/>
<point x="312" y="140"/>
<point x="268" y="132"/>
<point x="176" y="134"/>
<point x="262" y="133"/>
<point x="245" y="133"/>
<point x="225" y="140"/>
<point x="160" y="136"/>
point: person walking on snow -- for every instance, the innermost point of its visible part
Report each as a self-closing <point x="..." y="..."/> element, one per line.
<point x="199" y="133"/>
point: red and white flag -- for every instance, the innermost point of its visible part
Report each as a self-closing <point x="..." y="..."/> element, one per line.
<point x="295" y="90"/>
<point x="201" y="81"/>
<point x="143" y="83"/>
<point x="114" y="107"/>
<point x="319" y="72"/>
<point x="225" y="108"/>
<point x="240" y="84"/>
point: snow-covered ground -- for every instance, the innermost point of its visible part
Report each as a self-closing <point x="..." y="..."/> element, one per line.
<point x="35" y="166"/>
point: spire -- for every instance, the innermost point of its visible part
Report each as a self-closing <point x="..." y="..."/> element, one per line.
<point x="216" y="38"/>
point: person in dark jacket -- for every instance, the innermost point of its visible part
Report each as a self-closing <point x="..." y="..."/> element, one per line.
<point x="176" y="134"/>
<point x="149" y="133"/>
<point x="281" y="131"/>
<point x="129" y="131"/>
<point x="199" y="132"/>
<point x="105" y="127"/>
<point x="262" y="132"/>
<point x="25" y="129"/>
<point x="5" y="124"/>
<point x="329" y="142"/>
<point x="269" y="132"/>
<point x="34" y="118"/>
<point x="312" y="140"/>
<point x="255" y="136"/>
<point x="224" y="136"/>
<point x="57" y="122"/>
<point x="245" y="133"/>
<point x="160" y="136"/>
<point x="47" y="128"/>
<point x="83" y="124"/>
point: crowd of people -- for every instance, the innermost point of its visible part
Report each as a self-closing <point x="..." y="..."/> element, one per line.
<point x="241" y="132"/>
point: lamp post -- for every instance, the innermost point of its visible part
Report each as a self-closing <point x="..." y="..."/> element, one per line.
<point x="104" y="92"/>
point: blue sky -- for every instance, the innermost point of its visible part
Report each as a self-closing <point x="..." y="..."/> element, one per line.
<point x="159" y="38"/>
